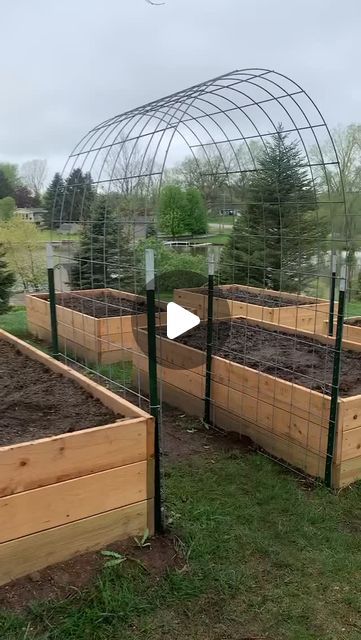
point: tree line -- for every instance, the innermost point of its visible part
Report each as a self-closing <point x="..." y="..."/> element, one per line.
<point x="278" y="236"/>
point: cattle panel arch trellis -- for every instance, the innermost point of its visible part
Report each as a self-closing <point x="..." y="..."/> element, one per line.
<point x="224" y="128"/>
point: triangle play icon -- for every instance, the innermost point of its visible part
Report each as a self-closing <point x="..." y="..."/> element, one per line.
<point x="179" y="320"/>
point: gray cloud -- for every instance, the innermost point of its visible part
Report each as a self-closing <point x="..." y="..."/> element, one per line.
<point x="69" y="65"/>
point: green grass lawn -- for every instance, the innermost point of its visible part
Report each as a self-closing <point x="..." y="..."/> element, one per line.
<point x="353" y="309"/>
<point x="221" y="219"/>
<point x="266" y="558"/>
<point x="15" y="322"/>
<point x="48" y="235"/>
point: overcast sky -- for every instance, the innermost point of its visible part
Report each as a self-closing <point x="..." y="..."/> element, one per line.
<point x="70" y="64"/>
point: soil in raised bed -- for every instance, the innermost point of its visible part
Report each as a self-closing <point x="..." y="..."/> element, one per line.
<point x="353" y="322"/>
<point x="36" y="402"/>
<point x="102" y="305"/>
<point x="291" y="357"/>
<point x="262" y="299"/>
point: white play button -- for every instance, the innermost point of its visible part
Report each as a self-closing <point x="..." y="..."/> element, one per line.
<point x="179" y="320"/>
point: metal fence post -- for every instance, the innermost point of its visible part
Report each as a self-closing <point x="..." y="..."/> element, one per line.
<point x="209" y="351"/>
<point x="332" y="427"/>
<point x="52" y="300"/>
<point x="332" y="293"/>
<point x="153" y="385"/>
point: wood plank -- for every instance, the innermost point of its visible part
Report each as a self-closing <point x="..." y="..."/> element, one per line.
<point x="351" y="412"/>
<point x="38" y="463"/>
<point x="38" y="509"/>
<point x="351" y="333"/>
<point x="347" y="472"/>
<point x="39" y="319"/>
<point x="284" y="394"/>
<point x="39" y="550"/>
<point x="276" y="444"/>
<point x="77" y="351"/>
<point x="172" y="395"/>
<point x="108" y="398"/>
<point x="351" y="444"/>
<point x="111" y="357"/>
<point x="300" y="401"/>
<point x="114" y="341"/>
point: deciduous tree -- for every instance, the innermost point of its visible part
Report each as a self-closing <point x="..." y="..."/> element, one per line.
<point x="173" y="211"/>
<point x="23" y="243"/>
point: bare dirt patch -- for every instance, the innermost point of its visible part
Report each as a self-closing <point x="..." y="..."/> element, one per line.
<point x="102" y="304"/>
<point x="291" y="357"/>
<point x="36" y="402"/>
<point x="263" y="299"/>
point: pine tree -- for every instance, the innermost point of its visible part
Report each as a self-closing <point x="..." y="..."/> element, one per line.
<point x="53" y="202"/>
<point x="7" y="280"/>
<point x="6" y="187"/>
<point x="105" y="257"/>
<point x="79" y="197"/>
<point x="276" y="239"/>
<point x="197" y="212"/>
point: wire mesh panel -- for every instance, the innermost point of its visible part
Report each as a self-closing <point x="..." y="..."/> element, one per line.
<point x="242" y="167"/>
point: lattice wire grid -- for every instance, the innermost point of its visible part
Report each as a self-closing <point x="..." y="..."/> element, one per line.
<point x="271" y="227"/>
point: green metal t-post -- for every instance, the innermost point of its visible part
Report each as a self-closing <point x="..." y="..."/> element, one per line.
<point x="331" y="317"/>
<point x="332" y="427"/>
<point x="209" y="352"/>
<point x="153" y="386"/>
<point x="52" y="300"/>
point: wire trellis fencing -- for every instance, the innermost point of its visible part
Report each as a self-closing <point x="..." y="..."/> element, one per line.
<point x="251" y="149"/>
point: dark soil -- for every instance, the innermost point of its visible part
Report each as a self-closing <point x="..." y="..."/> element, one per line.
<point x="263" y="299"/>
<point x="102" y="305"/>
<point x="66" y="579"/>
<point x="35" y="402"/>
<point x="288" y="356"/>
<point x="354" y="322"/>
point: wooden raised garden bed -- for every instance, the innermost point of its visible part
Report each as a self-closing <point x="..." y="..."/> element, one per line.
<point x="282" y="308"/>
<point x="76" y="463"/>
<point x="284" y="416"/>
<point x="97" y="325"/>
<point x="351" y="329"/>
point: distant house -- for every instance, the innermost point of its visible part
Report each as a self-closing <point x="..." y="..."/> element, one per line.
<point x="31" y="214"/>
<point x="229" y="212"/>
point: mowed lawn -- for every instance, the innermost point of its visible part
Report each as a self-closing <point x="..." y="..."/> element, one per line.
<point x="263" y="555"/>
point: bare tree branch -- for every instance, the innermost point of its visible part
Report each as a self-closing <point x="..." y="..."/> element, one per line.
<point x="33" y="174"/>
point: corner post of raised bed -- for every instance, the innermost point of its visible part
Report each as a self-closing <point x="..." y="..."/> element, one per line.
<point x="52" y="300"/>
<point x="153" y="385"/>
<point x="331" y="315"/>
<point x="209" y="351"/>
<point x="332" y="427"/>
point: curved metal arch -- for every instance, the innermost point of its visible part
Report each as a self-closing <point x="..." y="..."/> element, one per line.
<point x="196" y="113"/>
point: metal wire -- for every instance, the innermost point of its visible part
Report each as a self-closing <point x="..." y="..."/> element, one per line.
<point x="223" y="126"/>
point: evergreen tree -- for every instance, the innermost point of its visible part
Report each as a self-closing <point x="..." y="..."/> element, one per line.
<point x="173" y="211"/>
<point x="105" y="257"/>
<point x="197" y="212"/>
<point x="79" y="197"/>
<point x="6" y="187"/>
<point x="53" y="202"/>
<point x="275" y="240"/>
<point x="7" y="280"/>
